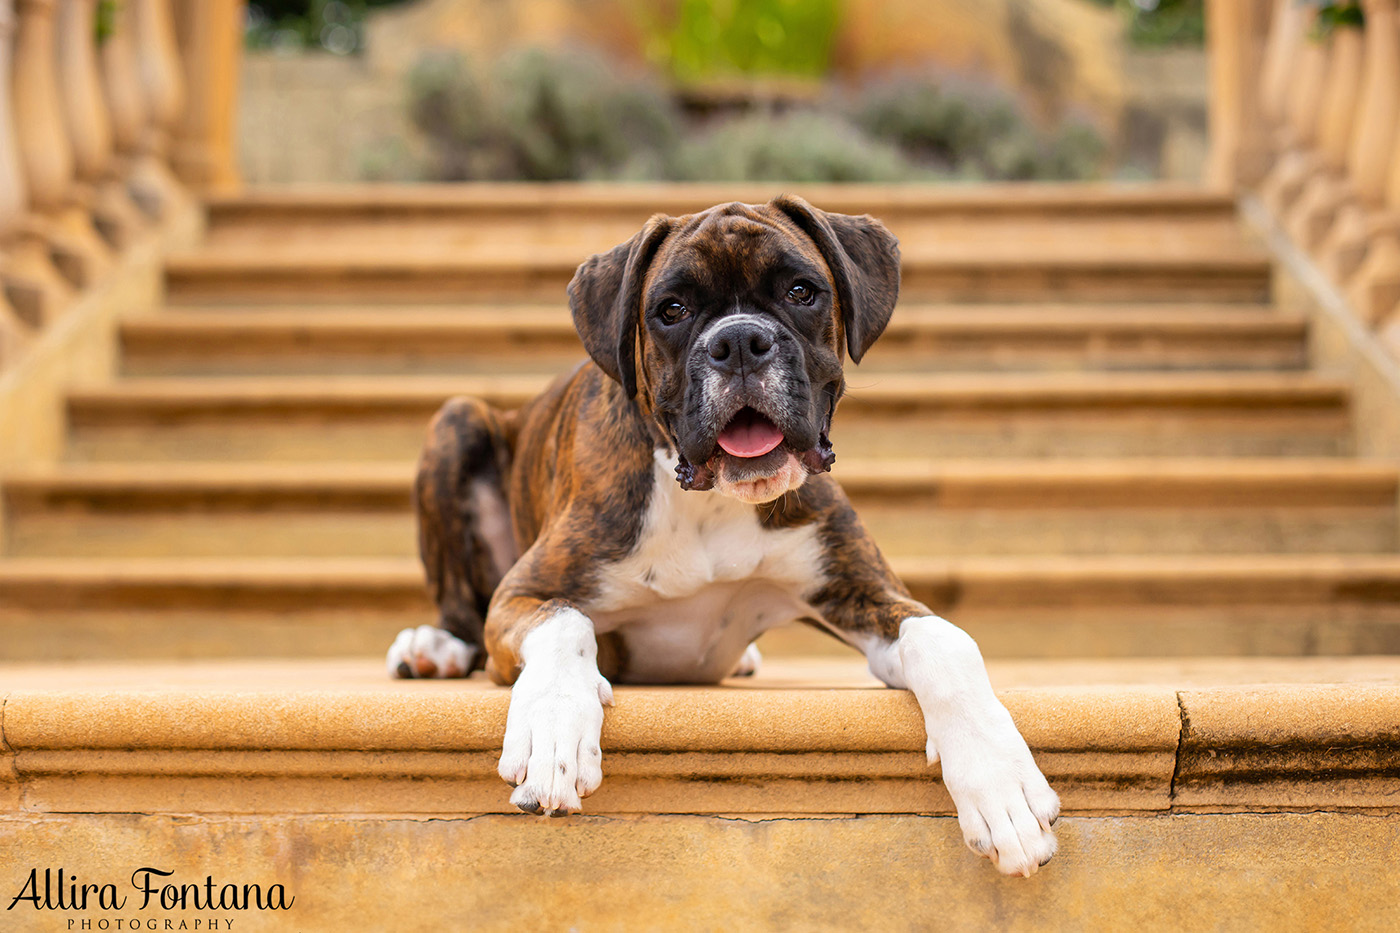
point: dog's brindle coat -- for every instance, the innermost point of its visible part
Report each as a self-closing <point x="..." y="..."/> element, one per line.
<point x="600" y="534"/>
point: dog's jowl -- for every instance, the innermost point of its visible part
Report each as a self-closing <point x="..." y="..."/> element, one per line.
<point x="660" y="507"/>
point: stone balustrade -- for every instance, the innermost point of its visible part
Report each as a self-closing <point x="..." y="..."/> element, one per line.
<point x="114" y="114"/>
<point x="1309" y="120"/>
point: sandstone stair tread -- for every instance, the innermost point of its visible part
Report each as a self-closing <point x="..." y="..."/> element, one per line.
<point x="497" y="337"/>
<point x="1169" y="578"/>
<point x="973" y="390"/>
<point x="1151" y="735"/>
<point x="1071" y="198"/>
<point x="232" y="677"/>
<point x="552" y="315"/>
<point x="1142" y="483"/>
<point x="372" y="260"/>
<point x="254" y="326"/>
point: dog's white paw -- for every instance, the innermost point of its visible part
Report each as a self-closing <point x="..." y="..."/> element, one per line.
<point x="552" y="752"/>
<point x="1005" y="806"/>
<point x="748" y="664"/>
<point x="428" y="651"/>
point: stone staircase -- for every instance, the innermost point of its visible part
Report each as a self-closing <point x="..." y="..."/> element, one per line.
<point x="1103" y="434"/>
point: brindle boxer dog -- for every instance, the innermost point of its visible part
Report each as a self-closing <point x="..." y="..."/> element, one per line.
<point x="655" y="511"/>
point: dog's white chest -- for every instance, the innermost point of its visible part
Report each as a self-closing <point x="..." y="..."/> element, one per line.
<point x="705" y="579"/>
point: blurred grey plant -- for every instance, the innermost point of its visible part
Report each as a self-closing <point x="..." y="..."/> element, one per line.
<point x="448" y="106"/>
<point x="538" y="116"/>
<point x="800" y="146"/>
<point x="967" y="130"/>
<point x="552" y="116"/>
<point x="569" y="115"/>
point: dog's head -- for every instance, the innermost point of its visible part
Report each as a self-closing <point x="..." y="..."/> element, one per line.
<point x="729" y="328"/>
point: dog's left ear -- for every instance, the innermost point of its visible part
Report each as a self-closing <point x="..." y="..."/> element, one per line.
<point x="604" y="298"/>
<point x="864" y="260"/>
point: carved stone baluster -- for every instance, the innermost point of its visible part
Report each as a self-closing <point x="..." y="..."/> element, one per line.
<point x="1316" y="207"/>
<point x="44" y="148"/>
<point x="121" y="86"/>
<point x="1236" y="33"/>
<point x="162" y="88"/>
<point x="1299" y="133"/>
<point x="211" y="47"/>
<point x="14" y="334"/>
<point x="1288" y="30"/>
<point x="32" y="284"/>
<point x="1375" y="291"/>
<point x="1376" y="139"/>
<point x="89" y="129"/>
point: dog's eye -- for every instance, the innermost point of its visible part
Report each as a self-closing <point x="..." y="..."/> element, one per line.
<point x="673" y="312"/>
<point x="801" y="293"/>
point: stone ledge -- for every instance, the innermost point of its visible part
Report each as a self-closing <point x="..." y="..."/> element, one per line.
<point x="296" y="200"/>
<point x="805" y="738"/>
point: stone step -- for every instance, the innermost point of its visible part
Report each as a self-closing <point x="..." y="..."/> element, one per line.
<point x="240" y="723"/>
<point x="339" y="205"/>
<point x="541" y="274"/>
<point x="307" y="774"/>
<point x="589" y="218"/>
<point x="541" y="339"/>
<point x="913" y="508"/>
<point x="1043" y="606"/>
<point x="883" y="415"/>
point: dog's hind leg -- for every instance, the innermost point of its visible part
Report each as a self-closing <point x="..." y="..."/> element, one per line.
<point x="465" y="537"/>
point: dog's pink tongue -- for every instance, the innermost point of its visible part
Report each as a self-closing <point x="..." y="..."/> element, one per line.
<point x="750" y="434"/>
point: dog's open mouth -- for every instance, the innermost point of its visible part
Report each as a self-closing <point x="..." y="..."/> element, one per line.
<point x="749" y="434"/>
<point x="753" y="460"/>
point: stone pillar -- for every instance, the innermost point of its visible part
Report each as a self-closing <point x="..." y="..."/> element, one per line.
<point x="1342" y="100"/>
<point x="89" y="129"/>
<point x="211" y="44"/>
<point x="1377" y="133"/>
<point x="12" y="200"/>
<point x="32" y="283"/>
<point x="163" y="94"/>
<point x="121" y="87"/>
<point x="1238" y="137"/>
<point x="1375" y="290"/>
<point x="1302" y="118"/>
<point x="1288" y="30"/>
<point x="13" y="332"/>
<point x="45" y="153"/>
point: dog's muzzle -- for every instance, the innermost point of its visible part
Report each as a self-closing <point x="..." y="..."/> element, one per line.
<point x="744" y="371"/>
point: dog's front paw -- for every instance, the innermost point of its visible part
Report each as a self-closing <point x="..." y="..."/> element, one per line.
<point x="552" y="753"/>
<point x="428" y="651"/>
<point x="1005" y="806"/>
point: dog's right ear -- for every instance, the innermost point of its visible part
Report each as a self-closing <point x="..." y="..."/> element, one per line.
<point x="605" y="298"/>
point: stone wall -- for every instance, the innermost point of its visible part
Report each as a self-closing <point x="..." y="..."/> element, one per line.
<point x="315" y="117"/>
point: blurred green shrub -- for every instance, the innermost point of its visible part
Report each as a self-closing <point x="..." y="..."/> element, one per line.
<point x="1335" y="15"/>
<point x="1162" y="22"/>
<point x="335" y="26"/>
<point x="740" y="38"/>
<point x="554" y="116"/>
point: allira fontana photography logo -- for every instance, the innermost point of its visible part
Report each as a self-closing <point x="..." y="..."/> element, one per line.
<point x="149" y="889"/>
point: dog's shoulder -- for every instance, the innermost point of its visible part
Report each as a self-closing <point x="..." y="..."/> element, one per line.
<point x="583" y="447"/>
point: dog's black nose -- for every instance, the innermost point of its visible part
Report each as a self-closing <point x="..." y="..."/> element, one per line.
<point x="742" y="347"/>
